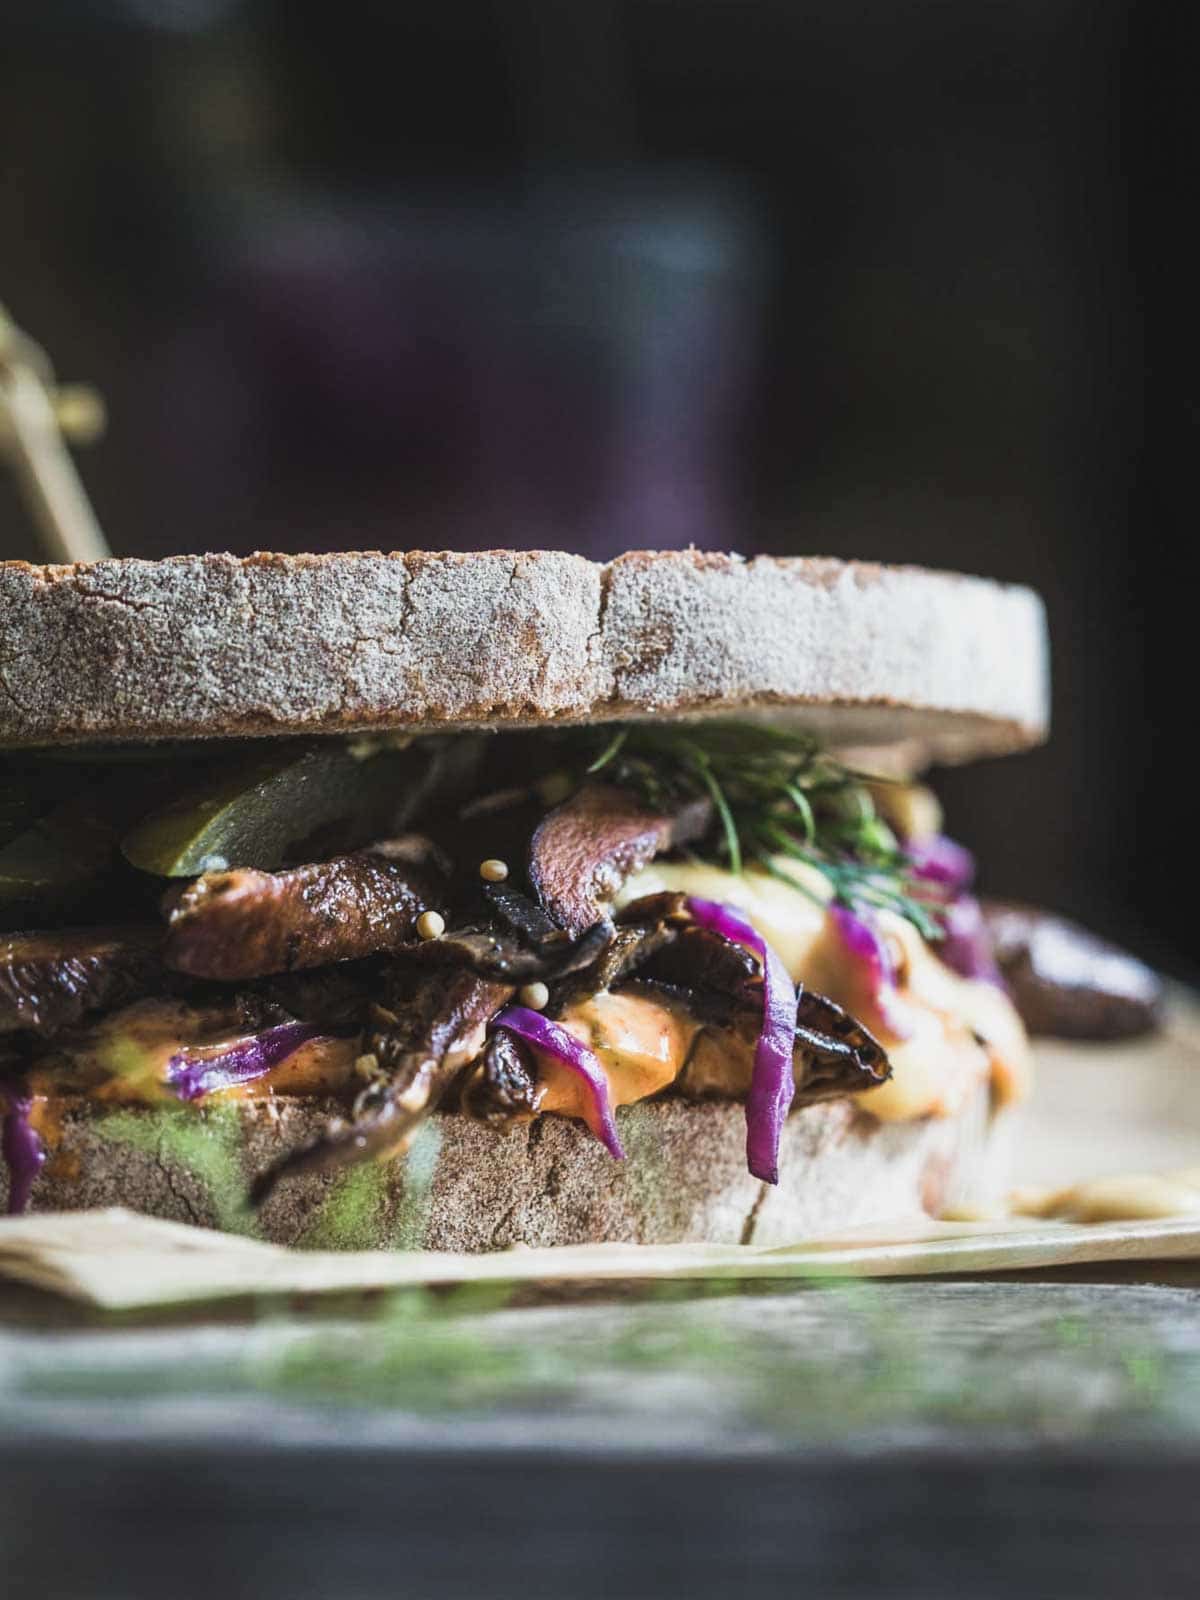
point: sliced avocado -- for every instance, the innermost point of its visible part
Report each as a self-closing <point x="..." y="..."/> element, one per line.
<point x="257" y="815"/>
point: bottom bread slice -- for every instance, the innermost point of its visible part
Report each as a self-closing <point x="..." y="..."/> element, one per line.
<point x="548" y="1182"/>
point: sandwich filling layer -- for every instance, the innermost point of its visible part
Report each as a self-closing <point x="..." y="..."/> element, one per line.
<point x="517" y="926"/>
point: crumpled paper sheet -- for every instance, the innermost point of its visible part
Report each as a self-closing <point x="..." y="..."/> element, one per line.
<point x="117" y="1260"/>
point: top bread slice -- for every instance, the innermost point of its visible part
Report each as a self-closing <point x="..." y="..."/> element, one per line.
<point x="949" y="667"/>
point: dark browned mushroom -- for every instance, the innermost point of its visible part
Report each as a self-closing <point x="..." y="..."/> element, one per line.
<point x="503" y="1087"/>
<point x="523" y="915"/>
<point x="1065" y="982"/>
<point x="336" y="998"/>
<point x="698" y="958"/>
<point x="585" y="849"/>
<point x="419" y="1051"/>
<point x="834" y="1054"/>
<point x="840" y="1056"/>
<point x="492" y="952"/>
<point x="248" y="924"/>
<point x="51" y="980"/>
<point x="668" y="905"/>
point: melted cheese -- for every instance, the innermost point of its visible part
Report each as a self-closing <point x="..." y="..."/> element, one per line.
<point x="911" y="809"/>
<point x="942" y="1059"/>
<point x="938" y="1061"/>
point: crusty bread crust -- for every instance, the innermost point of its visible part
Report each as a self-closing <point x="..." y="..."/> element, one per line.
<point x="464" y="1187"/>
<point x="213" y="646"/>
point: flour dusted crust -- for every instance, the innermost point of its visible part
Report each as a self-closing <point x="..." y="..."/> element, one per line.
<point x="214" y="645"/>
<point x="465" y="1187"/>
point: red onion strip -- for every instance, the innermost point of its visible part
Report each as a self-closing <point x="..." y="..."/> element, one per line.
<point x="192" y="1075"/>
<point x="942" y="862"/>
<point x="949" y="869"/>
<point x="771" y="1084"/>
<point x="966" y="947"/>
<point x="21" y="1149"/>
<point x="554" y="1039"/>
<point x="864" y="941"/>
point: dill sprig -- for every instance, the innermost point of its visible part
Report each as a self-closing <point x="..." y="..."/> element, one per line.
<point x="776" y="794"/>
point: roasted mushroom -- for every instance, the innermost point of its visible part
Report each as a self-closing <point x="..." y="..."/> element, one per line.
<point x="585" y="849"/>
<point x="840" y="1056"/>
<point x="1067" y="983"/>
<point x="697" y="958"/>
<point x="503" y="1086"/>
<point x="495" y="952"/>
<point x="834" y="1054"/>
<point x="248" y="924"/>
<point x="418" y="1053"/>
<point x="52" y="980"/>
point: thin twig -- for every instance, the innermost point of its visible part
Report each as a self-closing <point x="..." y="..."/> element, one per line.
<point x="32" y="438"/>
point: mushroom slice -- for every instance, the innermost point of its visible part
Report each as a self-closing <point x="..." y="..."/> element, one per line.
<point x="1067" y="983"/>
<point x="493" y="953"/>
<point x="668" y="905"/>
<point x="51" y="980"/>
<point x="418" y="1051"/>
<point x="336" y="998"/>
<point x="833" y="1056"/>
<point x="698" y="958"/>
<point x="249" y="924"/>
<point x="840" y="1056"/>
<point x="623" y="953"/>
<point x="503" y="1087"/>
<point x="523" y="915"/>
<point x="583" y="851"/>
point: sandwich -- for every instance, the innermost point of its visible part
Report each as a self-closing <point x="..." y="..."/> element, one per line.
<point x="468" y="901"/>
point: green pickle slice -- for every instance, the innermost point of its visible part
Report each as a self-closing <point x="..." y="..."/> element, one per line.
<point x="55" y="858"/>
<point x="259" y="813"/>
<point x="20" y="807"/>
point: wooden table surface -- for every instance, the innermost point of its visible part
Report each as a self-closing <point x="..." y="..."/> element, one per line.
<point x="899" y="1438"/>
<point x="906" y="1438"/>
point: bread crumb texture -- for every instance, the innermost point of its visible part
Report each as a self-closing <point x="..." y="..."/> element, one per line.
<point x="216" y="645"/>
<point x="465" y="1187"/>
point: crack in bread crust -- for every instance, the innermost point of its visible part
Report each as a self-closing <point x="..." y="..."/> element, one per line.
<point x="212" y="646"/>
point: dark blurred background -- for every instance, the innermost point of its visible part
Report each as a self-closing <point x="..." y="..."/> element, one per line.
<point x="851" y="277"/>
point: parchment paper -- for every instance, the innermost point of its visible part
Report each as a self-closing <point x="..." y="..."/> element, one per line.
<point x="1098" y="1110"/>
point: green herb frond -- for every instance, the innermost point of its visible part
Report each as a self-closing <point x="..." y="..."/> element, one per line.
<point x="777" y="795"/>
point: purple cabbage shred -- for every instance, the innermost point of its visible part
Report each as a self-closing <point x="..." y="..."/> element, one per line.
<point x="865" y="942"/>
<point x="772" y="1083"/>
<point x="966" y="947"/>
<point x="555" y="1041"/>
<point x="22" y="1150"/>
<point x="192" y="1075"/>
<point x="942" y="862"/>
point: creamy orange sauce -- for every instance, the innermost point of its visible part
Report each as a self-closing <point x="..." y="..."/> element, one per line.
<point x="640" y="1042"/>
<point x="46" y="1118"/>
<point x="938" y="1062"/>
<point x="322" y="1066"/>
<point x="125" y="1057"/>
<point x="1128" y="1197"/>
<point x="721" y="1064"/>
<point x="643" y="1042"/>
